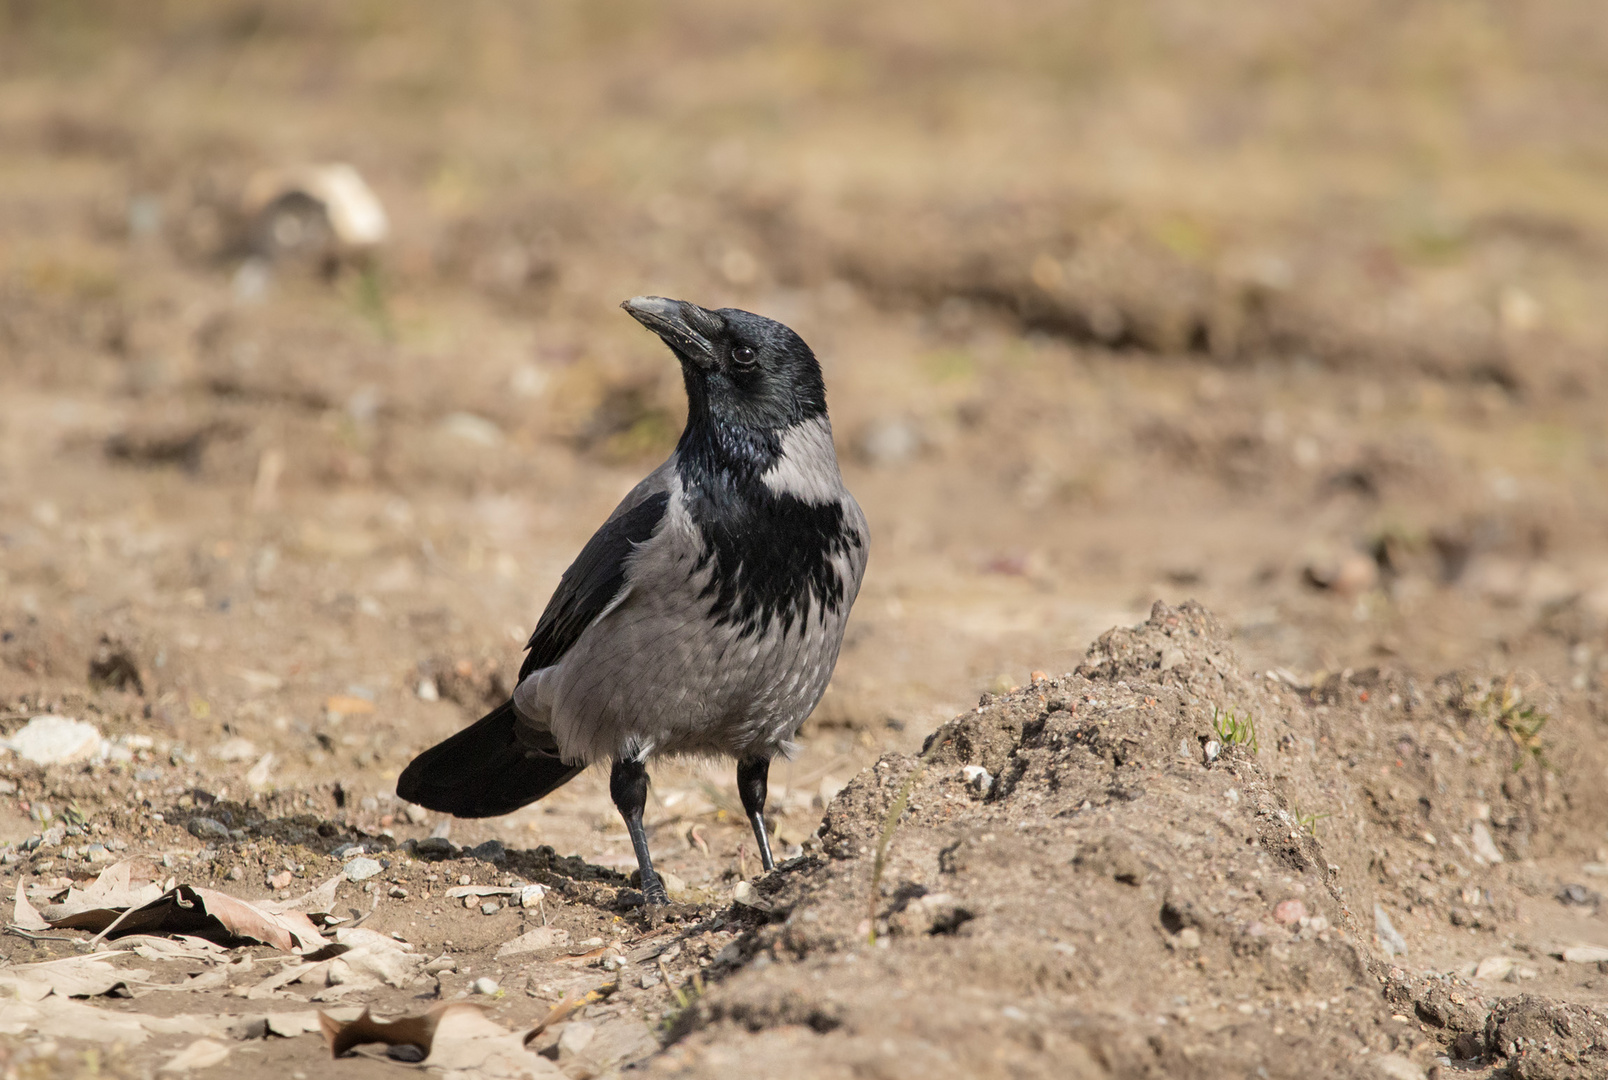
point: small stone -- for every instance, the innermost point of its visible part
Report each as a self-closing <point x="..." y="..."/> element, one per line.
<point x="205" y="828"/>
<point x="280" y="880"/>
<point x="55" y="740"/>
<point x="613" y="961"/>
<point x="532" y="895"/>
<point x="1396" y="1067"/>
<point x="398" y="893"/>
<point x="361" y="869"/>
<point x="978" y="779"/>
<point x="748" y="896"/>
<point x="97" y="853"/>
<point x="1187" y="938"/>
<point x="436" y="847"/>
<point x="1494" y="967"/>
<point x="1390" y="938"/>
<point x="543" y="937"/>
<point x="484" y="985"/>
<point x="1585" y="954"/>
<point x="237" y="873"/>
<point x="1484" y="846"/>
<point x="341" y="851"/>
<point x="416" y="815"/>
<point x="1289" y="912"/>
<point x="1213" y="748"/>
<point x="427" y="690"/>
<point x="491" y="851"/>
<point x="490" y="907"/>
<point x="464" y="879"/>
<point x="440" y="964"/>
<point x="577" y="1036"/>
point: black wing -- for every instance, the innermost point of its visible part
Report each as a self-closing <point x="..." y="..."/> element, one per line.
<point x="592" y="582"/>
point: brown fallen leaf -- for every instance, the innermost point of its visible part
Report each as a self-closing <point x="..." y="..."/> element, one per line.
<point x="581" y="959"/>
<point x="315" y="902"/>
<point x="407" y="1031"/>
<point x="204" y="913"/>
<point x="23" y="914"/>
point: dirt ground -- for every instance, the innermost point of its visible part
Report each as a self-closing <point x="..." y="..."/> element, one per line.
<point x="1285" y="313"/>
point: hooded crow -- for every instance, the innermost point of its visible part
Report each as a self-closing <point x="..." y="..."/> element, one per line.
<point x="704" y="618"/>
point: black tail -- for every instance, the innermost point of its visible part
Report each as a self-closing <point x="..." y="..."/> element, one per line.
<point x="482" y="771"/>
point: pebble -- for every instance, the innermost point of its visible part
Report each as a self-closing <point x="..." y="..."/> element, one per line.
<point x="576" y="1037"/>
<point x="440" y="964"/>
<point x="532" y="895"/>
<point x="205" y="828"/>
<point x="1585" y="954"/>
<point x="491" y="851"/>
<point x="55" y="740"/>
<point x="398" y="893"/>
<point x="280" y="880"/>
<point x="361" y="869"/>
<point x="436" y="847"/>
<point x="484" y="985"/>
<point x="490" y="907"/>
<point x="1484" y="846"/>
<point x="978" y="779"/>
<point x="1187" y="938"/>
<point x="237" y="873"/>
<point x="1390" y="938"/>
<point x="1289" y="912"/>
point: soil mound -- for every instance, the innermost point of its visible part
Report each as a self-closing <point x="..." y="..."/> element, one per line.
<point x="1162" y="865"/>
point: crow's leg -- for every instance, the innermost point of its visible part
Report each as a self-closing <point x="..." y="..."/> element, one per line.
<point x="628" y="786"/>
<point x="751" y="778"/>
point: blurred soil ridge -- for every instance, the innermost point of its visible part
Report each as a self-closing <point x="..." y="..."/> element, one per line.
<point x="1087" y="882"/>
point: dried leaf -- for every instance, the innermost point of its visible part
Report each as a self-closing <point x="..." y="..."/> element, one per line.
<point x="204" y="913"/>
<point x="198" y="1055"/>
<point x="317" y="901"/>
<point x="417" y="1031"/>
<point x="23" y="914"/>
<point x="74" y="976"/>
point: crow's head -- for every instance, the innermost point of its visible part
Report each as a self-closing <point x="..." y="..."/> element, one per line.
<point x="740" y="368"/>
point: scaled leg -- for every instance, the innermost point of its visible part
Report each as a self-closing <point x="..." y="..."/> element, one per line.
<point x="752" y="774"/>
<point x="628" y="786"/>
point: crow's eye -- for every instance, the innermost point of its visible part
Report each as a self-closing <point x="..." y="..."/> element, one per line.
<point x="743" y="355"/>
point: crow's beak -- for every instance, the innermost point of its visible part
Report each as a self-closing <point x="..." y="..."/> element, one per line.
<point x="686" y="328"/>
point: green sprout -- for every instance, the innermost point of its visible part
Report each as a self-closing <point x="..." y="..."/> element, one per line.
<point x="1234" y="730"/>
<point x="1521" y="723"/>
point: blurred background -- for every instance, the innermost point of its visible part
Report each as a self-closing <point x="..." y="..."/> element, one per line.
<point x="312" y="377"/>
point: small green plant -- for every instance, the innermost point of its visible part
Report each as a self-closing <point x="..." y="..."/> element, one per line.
<point x="1521" y="723"/>
<point x="895" y="811"/>
<point x="1308" y="820"/>
<point x="683" y="997"/>
<point x="1234" y="730"/>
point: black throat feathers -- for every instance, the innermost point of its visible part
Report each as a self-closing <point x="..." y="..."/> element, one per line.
<point x="769" y="553"/>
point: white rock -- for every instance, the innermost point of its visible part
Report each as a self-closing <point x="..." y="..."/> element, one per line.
<point x="1484" y="846"/>
<point x="1494" y="967"/>
<point x="532" y="895"/>
<point x="361" y="869"/>
<point x="427" y="690"/>
<point x="748" y="896"/>
<point x="979" y="779"/>
<point x="543" y="937"/>
<point x="259" y="776"/>
<point x="1396" y="1067"/>
<point x="55" y="740"/>
<point x="1390" y="938"/>
<point x="576" y="1037"/>
<point x="484" y="985"/>
<point x="235" y="750"/>
<point x="1585" y="954"/>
